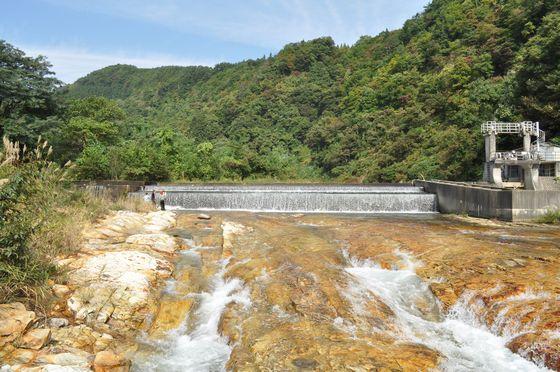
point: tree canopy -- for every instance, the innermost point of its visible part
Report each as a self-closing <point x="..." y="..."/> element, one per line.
<point x="393" y="107"/>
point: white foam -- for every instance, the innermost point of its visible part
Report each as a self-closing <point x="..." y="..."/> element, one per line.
<point x="202" y="349"/>
<point x="466" y="345"/>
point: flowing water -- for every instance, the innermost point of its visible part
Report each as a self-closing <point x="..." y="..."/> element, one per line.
<point x="196" y="344"/>
<point x="342" y="292"/>
<point x="300" y="198"/>
<point x="465" y="346"/>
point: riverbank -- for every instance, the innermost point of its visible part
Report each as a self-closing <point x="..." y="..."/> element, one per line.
<point x="108" y="291"/>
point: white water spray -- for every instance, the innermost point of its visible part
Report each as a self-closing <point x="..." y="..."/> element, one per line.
<point x="202" y="349"/>
<point x="465" y="346"/>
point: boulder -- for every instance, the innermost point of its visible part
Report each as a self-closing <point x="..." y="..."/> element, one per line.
<point x="107" y="360"/>
<point x="35" y="338"/>
<point x="115" y="285"/>
<point x="203" y="216"/>
<point x="78" y="359"/>
<point x="60" y="290"/>
<point x="18" y="356"/>
<point x="14" y="320"/>
<point x="157" y="242"/>
<point x="79" y="337"/>
<point x="159" y="221"/>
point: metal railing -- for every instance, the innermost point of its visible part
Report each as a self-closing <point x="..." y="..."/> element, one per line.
<point x="515" y="155"/>
<point x="513" y="128"/>
<point x="524" y="155"/>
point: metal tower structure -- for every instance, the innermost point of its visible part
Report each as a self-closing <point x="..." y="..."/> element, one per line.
<point x="528" y="159"/>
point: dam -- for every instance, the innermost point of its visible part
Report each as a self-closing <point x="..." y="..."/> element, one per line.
<point x="308" y="198"/>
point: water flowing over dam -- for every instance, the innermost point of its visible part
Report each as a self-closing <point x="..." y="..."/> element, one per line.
<point x="300" y="198"/>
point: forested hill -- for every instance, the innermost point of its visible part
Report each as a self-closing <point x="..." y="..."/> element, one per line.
<point x="123" y="81"/>
<point x="397" y="106"/>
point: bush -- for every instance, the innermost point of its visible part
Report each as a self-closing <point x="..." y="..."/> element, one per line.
<point x="41" y="217"/>
<point x="551" y="217"/>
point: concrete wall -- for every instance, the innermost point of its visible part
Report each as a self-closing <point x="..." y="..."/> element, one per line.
<point x="487" y="202"/>
<point x="528" y="205"/>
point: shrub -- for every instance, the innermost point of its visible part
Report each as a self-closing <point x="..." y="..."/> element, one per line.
<point x="551" y="217"/>
<point x="41" y="217"/>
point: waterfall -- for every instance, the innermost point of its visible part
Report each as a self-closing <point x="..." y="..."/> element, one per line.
<point x="300" y="198"/>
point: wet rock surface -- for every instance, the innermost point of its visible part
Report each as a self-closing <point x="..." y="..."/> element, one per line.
<point x="323" y="292"/>
<point x="110" y="289"/>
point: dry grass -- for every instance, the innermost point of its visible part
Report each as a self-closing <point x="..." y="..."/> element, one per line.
<point x="131" y="203"/>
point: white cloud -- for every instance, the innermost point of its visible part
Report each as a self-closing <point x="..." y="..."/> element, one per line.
<point x="264" y="23"/>
<point x="71" y="64"/>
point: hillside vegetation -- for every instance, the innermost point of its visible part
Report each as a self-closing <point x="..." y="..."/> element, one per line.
<point x="394" y="107"/>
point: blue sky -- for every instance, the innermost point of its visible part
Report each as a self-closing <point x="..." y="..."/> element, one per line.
<point x="79" y="36"/>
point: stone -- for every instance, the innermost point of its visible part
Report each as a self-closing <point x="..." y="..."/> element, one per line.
<point x="158" y="242"/>
<point x="78" y="337"/>
<point x="103" y="342"/>
<point x="159" y="221"/>
<point x="35" y="338"/>
<point x="14" y="321"/>
<point x="58" y="322"/>
<point x="55" y="368"/>
<point x="115" y="285"/>
<point x="203" y="216"/>
<point x="61" y="291"/>
<point x="22" y="356"/>
<point x="66" y="359"/>
<point x="108" y="361"/>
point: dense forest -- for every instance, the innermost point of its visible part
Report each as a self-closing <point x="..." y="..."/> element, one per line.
<point x="401" y="105"/>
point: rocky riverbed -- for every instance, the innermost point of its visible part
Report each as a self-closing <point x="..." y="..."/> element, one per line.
<point x="108" y="292"/>
<point x="246" y="291"/>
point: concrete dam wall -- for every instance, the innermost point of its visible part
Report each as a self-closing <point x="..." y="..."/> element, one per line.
<point x="488" y="202"/>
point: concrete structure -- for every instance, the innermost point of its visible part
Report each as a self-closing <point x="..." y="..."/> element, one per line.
<point x="536" y="165"/>
<point x="491" y="202"/>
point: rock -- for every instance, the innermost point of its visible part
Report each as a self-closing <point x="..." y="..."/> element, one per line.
<point x="107" y="360"/>
<point x="60" y="290"/>
<point x="538" y="347"/>
<point x="36" y="338"/>
<point x="58" y="322"/>
<point x="203" y="216"/>
<point x="22" y="356"/>
<point x="103" y="342"/>
<point x="80" y="337"/>
<point x="55" y="368"/>
<point x="65" y="359"/>
<point x="14" y="320"/>
<point x="115" y="285"/>
<point x="159" y="221"/>
<point x="158" y="242"/>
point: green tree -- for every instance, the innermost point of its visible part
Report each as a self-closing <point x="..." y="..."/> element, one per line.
<point x="26" y="89"/>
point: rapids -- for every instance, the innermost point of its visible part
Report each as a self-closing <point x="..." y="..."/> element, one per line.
<point x="465" y="346"/>
<point x="341" y="292"/>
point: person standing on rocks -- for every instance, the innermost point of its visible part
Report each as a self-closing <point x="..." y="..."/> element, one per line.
<point x="162" y="200"/>
<point x="154" y="198"/>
